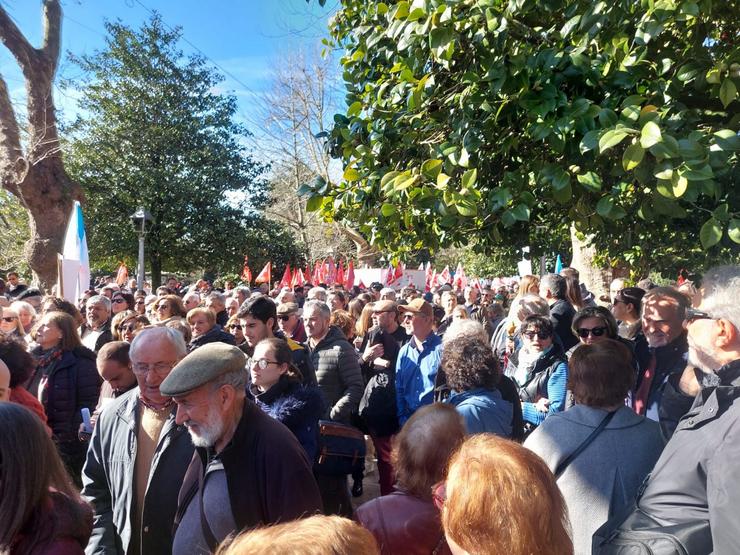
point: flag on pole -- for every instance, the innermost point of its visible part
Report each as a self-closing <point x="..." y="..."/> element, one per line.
<point x="74" y="267"/>
<point x="460" y="281"/>
<point x="349" y="280"/>
<point x="316" y="277"/>
<point x="265" y="275"/>
<point x="297" y="280"/>
<point x="340" y="274"/>
<point x="246" y="272"/>
<point x="285" y="282"/>
<point x="445" y="276"/>
<point x="431" y="280"/>
<point x="122" y="274"/>
<point x="558" y="265"/>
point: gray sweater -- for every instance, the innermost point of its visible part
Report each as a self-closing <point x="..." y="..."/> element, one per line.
<point x="605" y="477"/>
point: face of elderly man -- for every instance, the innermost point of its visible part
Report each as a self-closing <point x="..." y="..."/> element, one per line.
<point x="316" y="322"/>
<point x="97" y="314"/>
<point x="661" y="321"/>
<point x="152" y="359"/>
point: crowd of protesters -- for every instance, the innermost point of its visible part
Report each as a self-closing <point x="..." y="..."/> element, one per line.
<point x="531" y="418"/>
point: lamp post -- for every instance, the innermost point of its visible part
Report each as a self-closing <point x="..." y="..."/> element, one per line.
<point x="141" y="220"/>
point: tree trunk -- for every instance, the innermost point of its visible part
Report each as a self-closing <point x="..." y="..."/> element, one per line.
<point x="596" y="279"/>
<point x="37" y="177"/>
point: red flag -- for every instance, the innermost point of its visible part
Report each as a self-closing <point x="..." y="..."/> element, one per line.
<point x="246" y="272"/>
<point x="265" y="276"/>
<point x="461" y="281"/>
<point x="362" y="285"/>
<point x="297" y="280"/>
<point x="285" y="282"/>
<point x="349" y="280"/>
<point x="122" y="274"/>
<point x="400" y="269"/>
<point x="431" y="280"/>
<point x="316" y="277"/>
<point x="445" y="276"/>
<point x="307" y="273"/>
<point x="330" y="271"/>
<point x="340" y="274"/>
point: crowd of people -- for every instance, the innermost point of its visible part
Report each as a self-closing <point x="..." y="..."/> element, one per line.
<point x="525" y="419"/>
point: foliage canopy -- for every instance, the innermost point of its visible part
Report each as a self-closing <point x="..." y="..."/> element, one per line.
<point x="471" y="120"/>
<point x="155" y="132"/>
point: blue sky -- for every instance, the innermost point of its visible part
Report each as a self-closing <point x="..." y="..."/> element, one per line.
<point x="244" y="37"/>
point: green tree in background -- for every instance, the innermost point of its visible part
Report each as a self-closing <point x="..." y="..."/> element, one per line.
<point x="153" y="132"/>
<point x="485" y="120"/>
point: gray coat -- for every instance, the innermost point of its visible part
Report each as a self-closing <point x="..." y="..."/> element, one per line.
<point x="338" y="374"/>
<point x="108" y="480"/>
<point x="603" y="479"/>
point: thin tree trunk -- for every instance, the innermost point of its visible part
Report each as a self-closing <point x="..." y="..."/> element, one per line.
<point x="596" y="278"/>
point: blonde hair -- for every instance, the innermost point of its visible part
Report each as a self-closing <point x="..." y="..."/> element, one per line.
<point x="502" y="498"/>
<point x="9" y="312"/>
<point x="200" y="311"/>
<point x="316" y="535"/>
<point x="365" y="321"/>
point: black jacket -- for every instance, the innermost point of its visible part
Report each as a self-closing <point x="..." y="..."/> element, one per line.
<point x="268" y="474"/>
<point x="215" y="335"/>
<point x="536" y="386"/>
<point x="106" y="335"/>
<point x="561" y="314"/>
<point x="696" y="481"/>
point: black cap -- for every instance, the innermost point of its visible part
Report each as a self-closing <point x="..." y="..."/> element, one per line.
<point x="376" y="286"/>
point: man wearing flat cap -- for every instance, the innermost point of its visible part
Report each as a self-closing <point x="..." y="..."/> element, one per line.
<point x="418" y="360"/>
<point x="248" y="469"/>
<point x="290" y="322"/>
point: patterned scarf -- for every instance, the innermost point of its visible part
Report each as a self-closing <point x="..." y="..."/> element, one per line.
<point x="45" y="363"/>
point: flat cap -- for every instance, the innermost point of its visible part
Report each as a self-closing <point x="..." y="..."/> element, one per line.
<point x="203" y="365"/>
<point x="417" y="306"/>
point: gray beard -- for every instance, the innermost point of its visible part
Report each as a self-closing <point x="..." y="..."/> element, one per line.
<point x="209" y="434"/>
<point x="703" y="359"/>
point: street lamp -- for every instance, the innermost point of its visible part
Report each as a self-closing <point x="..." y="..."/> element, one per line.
<point x="141" y="220"/>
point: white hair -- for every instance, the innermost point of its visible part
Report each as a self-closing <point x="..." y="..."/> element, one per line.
<point x="465" y="328"/>
<point x="99" y="299"/>
<point x="721" y="286"/>
<point x="165" y="333"/>
<point x="316" y="293"/>
<point x="319" y="306"/>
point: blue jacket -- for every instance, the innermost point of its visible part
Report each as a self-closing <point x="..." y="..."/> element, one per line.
<point x="415" y="374"/>
<point x="484" y="411"/>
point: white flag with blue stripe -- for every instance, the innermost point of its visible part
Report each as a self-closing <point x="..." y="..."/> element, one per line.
<point x="74" y="273"/>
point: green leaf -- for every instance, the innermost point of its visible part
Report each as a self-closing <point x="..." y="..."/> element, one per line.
<point x="710" y="233"/>
<point x="563" y="196"/>
<point x="727" y="92"/>
<point x="467" y="209"/>
<point x="591" y="181"/>
<point x="607" y="118"/>
<point x="726" y="140"/>
<point x="650" y="135"/>
<point x="520" y="212"/>
<point x="387" y="178"/>
<point x="722" y="212"/>
<point x="351" y="174"/>
<point x="604" y="206"/>
<point x="442" y="180"/>
<point x="611" y="139"/>
<point x="469" y="178"/>
<point x="698" y="174"/>
<point x="431" y="168"/>
<point x="561" y="180"/>
<point x="632" y="156"/>
<point x="387" y="210"/>
<point x="663" y="170"/>
<point x="680" y="184"/>
<point x="589" y="142"/>
<point x="733" y="230"/>
<point x="354" y="109"/>
<point x="314" y="203"/>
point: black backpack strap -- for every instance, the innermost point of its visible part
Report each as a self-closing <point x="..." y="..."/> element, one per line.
<point x="586" y="442"/>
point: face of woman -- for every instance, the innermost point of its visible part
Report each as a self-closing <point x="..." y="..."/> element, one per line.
<point x="592" y="330"/>
<point x="26" y="318"/>
<point x="9" y="322"/>
<point x="335" y="302"/>
<point x="128" y="329"/>
<point x="536" y="340"/>
<point x="235" y="329"/>
<point x="118" y="304"/>
<point x="265" y="378"/>
<point x="199" y="325"/>
<point x="48" y="334"/>
<point x="164" y="310"/>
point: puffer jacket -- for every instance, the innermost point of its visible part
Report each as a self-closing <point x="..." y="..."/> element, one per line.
<point x="297" y="406"/>
<point x="338" y="374"/>
<point x="73" y="384"/>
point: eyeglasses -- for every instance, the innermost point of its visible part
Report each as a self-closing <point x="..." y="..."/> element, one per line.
<point x="160" y="369"/>
<point x="235" y="327"/>
<point x="439" y="494"/>
<point x="163" y="307"/>
<point x="127" y="327"/>
<point x="9" y="318"/>
<point x="541" y="334"/>
<point x="118" y="300"/>
<point x="691" y="315"/>
<point x="263" y="363"/>
<point x="284" y="317"/>
<point x="596" y="332"/>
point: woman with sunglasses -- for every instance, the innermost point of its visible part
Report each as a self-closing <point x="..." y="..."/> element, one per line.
<point x="125" y="325"/>
<point x="276" y="386"/>
<point x="10" y="325"/>
<point x="407" y="521"/>
<point x="234" y="327"/>
<point x="120" y="302"/>
<point x="540" y="369"/>
<point x="168" y="307"/>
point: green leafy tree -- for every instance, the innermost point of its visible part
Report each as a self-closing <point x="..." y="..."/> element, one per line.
<point x="474" y="119"/>
<point x="153" y="132"/>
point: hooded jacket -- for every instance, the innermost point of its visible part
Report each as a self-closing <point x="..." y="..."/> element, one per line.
<point x="484" y="411"/>
<point x="214" y="335"/>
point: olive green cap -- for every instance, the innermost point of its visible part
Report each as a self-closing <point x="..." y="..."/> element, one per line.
<point x="203" y="365"/>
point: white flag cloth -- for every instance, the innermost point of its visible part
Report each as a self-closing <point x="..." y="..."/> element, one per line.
<point x="74" y="271"/>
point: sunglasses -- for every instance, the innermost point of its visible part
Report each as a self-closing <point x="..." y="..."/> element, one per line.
<point x="235" y="327"/>
<point x="284" y="317"/>
<point x="9" y="318"/>
<point x="439" y="494"/>
<point x="596" y="332"/>
<point x="163" y="307"/>
<point x="118" y="300"/>
<point x="128" y="327"/>
<point x="691" y="315"/>
<point x="540" y="334"/>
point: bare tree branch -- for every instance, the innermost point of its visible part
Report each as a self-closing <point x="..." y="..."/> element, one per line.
<point x="11" y="155"/>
